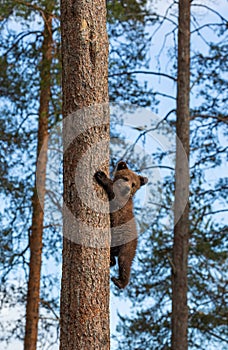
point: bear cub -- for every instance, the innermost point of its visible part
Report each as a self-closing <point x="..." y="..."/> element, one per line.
<point x="120" y="192"/>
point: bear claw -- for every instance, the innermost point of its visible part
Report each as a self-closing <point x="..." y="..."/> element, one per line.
<point x="99" y="175"/>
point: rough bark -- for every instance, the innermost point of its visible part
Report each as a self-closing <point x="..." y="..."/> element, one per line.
<point x="181" y="229"/>
<point x="85" y="268"/>
<point x="33" y="294"/>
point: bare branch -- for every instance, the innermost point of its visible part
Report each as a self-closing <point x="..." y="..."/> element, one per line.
<point x="47" y="304"/>
<point x="216" y="212"/>
<point x="220" y="118"/>
<point x="208" y="25"/>
<point x="155" y="166"/>
<point x="144" y="72"/>
<point x="212" y="10"/>
<point x="19" y="38"/>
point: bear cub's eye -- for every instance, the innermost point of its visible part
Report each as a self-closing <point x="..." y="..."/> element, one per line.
<point x="125" y="178"/>
<point x="133" y="184"/>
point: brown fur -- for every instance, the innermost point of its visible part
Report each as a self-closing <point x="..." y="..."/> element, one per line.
<point x="120" y="191"/>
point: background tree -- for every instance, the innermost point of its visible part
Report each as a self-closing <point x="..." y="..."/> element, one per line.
<point x="85" y="271"/>
<point x="30" y="61"/>
<point x="35" y="243"/>
<point x="181" y="220"/>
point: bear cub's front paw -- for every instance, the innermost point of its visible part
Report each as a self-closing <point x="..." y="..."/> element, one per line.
<point x="100" y="176"/>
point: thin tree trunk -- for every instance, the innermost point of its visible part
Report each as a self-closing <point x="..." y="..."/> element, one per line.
<point x="85" y="269"/>
<point x="181" y="229"/>
<point x="33" y="295"/>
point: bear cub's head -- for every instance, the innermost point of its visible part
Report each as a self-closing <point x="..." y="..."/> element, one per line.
<point x="126" y="182"/>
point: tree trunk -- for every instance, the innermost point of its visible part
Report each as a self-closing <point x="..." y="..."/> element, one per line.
<point x="33" y="295"/>
<point x="181" y="229"/>
<point x="85" y="269"/>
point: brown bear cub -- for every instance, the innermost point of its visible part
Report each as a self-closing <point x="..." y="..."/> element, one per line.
<point x="120" y="191"/>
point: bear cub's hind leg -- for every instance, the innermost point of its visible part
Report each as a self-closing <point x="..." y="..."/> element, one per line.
<point x="125" y="259"/>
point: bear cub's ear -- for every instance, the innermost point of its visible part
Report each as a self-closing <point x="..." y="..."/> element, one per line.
<point x="143" y="180"/>
<point x="121" y="166"/>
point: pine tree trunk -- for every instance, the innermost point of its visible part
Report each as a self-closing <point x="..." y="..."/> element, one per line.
<point x="181" y="229"/>
<point x="85" y="268"/>
<point x="33" y="295"/>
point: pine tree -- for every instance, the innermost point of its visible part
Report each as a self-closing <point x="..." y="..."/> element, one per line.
<point x="35" y="244"/>
<point x="181" y="220"/>
<point x="85" y="270"/>
<point x="30" y="61"/>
